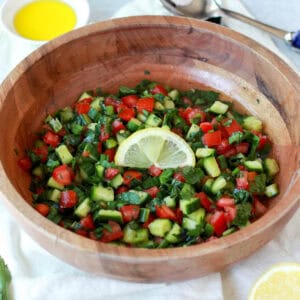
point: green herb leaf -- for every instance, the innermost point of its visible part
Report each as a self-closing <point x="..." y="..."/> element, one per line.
<point x="236" y="137"/>
<point x="166" y="175"/>
<point x="192" y="175"/>
<point x="241" y="196"/>
<point x="243" y="214"/>
<point x="123" y="91"/>
<point x="5" y="279"/>
<point x="259" y="184"/>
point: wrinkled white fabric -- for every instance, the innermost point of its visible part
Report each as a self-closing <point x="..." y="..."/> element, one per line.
<point x="39" y="275"/>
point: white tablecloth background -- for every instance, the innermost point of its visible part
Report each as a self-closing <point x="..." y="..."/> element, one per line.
<point x="39" y="275"/>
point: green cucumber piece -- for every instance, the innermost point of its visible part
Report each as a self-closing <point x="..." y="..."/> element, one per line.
<point x="54" y="184"/>
<point x="54" y="195"/>
<point x="187" y="206"/>
<point x="271" y="167"/>
<point x="272" y="190"/>
<point x="133" y="236"/>
<point x="111" y="143"/>
<point x="122" y="135"/>
<point x="109" y="215"/>
<point x="100" y="193"/>
<point x="168" y="103"/>
<point x="116" y="181"/>
<point x="207" y="185"/>
<point x="211" y="166"/>
<point x="189" y="224"/>
<point x="198" y="215"/>
<point x="219" y="108"/>
<point x="83" y="208"/>
<point x="252" y="123"/>
<point x="134" y="124"/>
<point x="64" y="154"/>
<point x="254" y="165"/>
<point x="160" y="227"/>
<point x="144" y="214"/>
<point x="153" y="120"/>
<point x="99" y="170"/>
<point x="170" y="202"/>
<point x="205" y="152"/>
<point x="218" y="184"/>
<point x="66" y="114"/>
<point x="174" y="94"/>
<point x="174" y="235"/>
<point x="193" y="130"/>
<point x="84" y="95"/>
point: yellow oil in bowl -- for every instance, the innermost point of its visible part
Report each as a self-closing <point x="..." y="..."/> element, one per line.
<point x="43" y="20"/>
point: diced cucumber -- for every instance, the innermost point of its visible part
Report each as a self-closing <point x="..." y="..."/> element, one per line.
<point x="54" y="184"/>
<point x="189" y="224"/>
<point x="187" y="206"/>
<point x="122" y="135"/>
<point x="211" y="166"/>
<point x="174" y="94"/>
<point x="116" y="181"/>
<point x="193" y="130"/>
<point x="83" y="208"/>
<point x="38" y="171"/>
<point x="142" y="117"/>
<point x="218" y="184"/>
<point x="219" y="108"/>
<point x="55" y="124"/>
<point x="229" y="231"/>
<point x="134" y="124"/>
<point x="109" y="215"/>
<point x="142" y="195"/>
<point x="144" y="214"/>
<point x="111" y="143"/>
<point x="153" y="120"/>
<point x="92" y="126"/>
<point x="99" y="170"/>
<point x="66" y="114"/>
<point x="198" y="215"/>
<point x="254" y="165"/>
<point x="252" y="123"/>
<point x="205" y="152"/>
<point x="174" y="235"/>
<point x="96" y="103"/>
<point x="54" y="195"/>
<point x="272" y="190"/>
<point x="168" y="103"/>
<point x="133" y="236"/>
<point x="100" y="193"/>
<point x="170" y="202"/>
<point x="187" y="191"/>
<point x="160" y="227"/>
<point x="207" y="185"/>
<point x="85" y="119"/>
<point x="84" y="95"/>
<point x="64" y="154"/>
<point x="271" y="166"/>
<point x="109" y="110"/>
<point x="158" y="106"/>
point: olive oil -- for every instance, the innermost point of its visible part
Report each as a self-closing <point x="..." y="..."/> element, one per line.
<point x="43" y="20"/>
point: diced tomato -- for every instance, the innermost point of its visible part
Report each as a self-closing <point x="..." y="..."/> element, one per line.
<point x="230" y="213"/>
<point x="230" y="152"/>
<point x="225" y="201"/>
<point x="234" y="126"/>
<point x="224" y="146"/>
<point x="179" y="177"/>
<point x="127" y="113"/>
<point x="62" y="132"/>
<point x="218" y="222"/>
<point x="39" y="190"/>
<point x="43" y="209"/>
<point x="82" y="107"/>
<point x="130" y="212"/>
<point x="82" y="232"/>
<point x="110" y="153"/>
<point x="109" y="101"/>
<point x="190" y="114"/>
<point x="152" y="191"/>
<point x="51" y="139"/>
<point x="263" y="140"/>
<point x="115" y="233"/>
<point x="116" y="126"/>
<point x="251" y="175"/>
<point x="130" y="100"/>
<point x="68" y="199"/>
<point x="99" y="147"/>
<point x="42" y="152"/>
<point x="206" y="126"/>
<point x="86" y="153"/>
<point x="86" y="100"/>
<point x="204" y="201"/>
<point x="258" y="208"/>
<point x="87" y="222"/>
<point x="25" y="163"/>
<point x="151" y="218"/>
<point x="179" y="215"/>
<point x="154" y="171"/>
<point x="110" y="173"/>
<point x="104" y="134"/>
<point x="212" y="138"/>
<point x="130" y="175"/>
<point x="145" y="104"/>
<point x="165" y="212"/>
<point x="121" y="189"/>
<point x="242" y="147"/>
<point x="63" y="174"/>
<point x="178" y="131"/>
<point x="187" y="101"/>
<point x="158" y="89"/>
<point x="242" y="183"/>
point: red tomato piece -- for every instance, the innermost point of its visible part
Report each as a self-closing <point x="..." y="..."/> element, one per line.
<point x="224" y="146"/>
<point x="87" y="222"/>
<point x="51" y="139"/>
<point x="130" y="212"/>
<point x="110" y="173"/>
<point x="82" y="107"/>
<point x="99" y="147"/>
<point x="43" y="209"/>
<point x="204" y="201"/>
<point x="218" y="222"/>
<point x="154" y="171"/>
<point x="68" y="199"/>
<point x="230" y="152"/>
<point x="130" y="175"/>
<point x="158" y="89"/>
<point x="152" y="191"/>
<point x="127" y="113"/>
<point x="165" y="212"/>
<point x="251" y="175"/>
<point x="86" y="153"/>
<point x="225" y="202"/>
<point x="42" y="152"/>
<point x="179" y="216"/>
<point x="63" y="175"/>
<point x="121" y="189"/>
<point x="178" y="131"/>
<point x="82" y="232"/>
<point x="230" y="213"/>
<point x="25" y="163"/>
<point x="145" y="104"/>
<point x="212" y="138"/>
<point x="242" y="183"/>
<point x="187" y="101"/>
<point x="242" y="148"/>
<point x="189" y="114"/>
<point x="110" y="153"/>
<point x="258" y="209"/>
<point x="130" y="100"/>
<point x="109" y="101"/>
<point x="116" y="126"/>
<point x="179" y="177"/>
<point x="104" y="134"/>
<point x="115" y="233"/>
<point x="234" y="126"/>
<point x="206" y="126"/>
<point x="263" y="140"/>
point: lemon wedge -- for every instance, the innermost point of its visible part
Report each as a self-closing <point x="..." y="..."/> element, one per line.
<point x="154" y="146"/>
<point x="281" y="282"/>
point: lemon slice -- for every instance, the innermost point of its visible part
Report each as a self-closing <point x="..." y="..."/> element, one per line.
<point x="154" y="146"/>
<point x="281" y="282"/>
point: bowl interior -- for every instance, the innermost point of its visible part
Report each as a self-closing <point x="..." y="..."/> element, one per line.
<point x="178" y="52"/>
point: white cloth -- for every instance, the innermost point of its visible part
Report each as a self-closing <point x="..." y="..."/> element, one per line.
<point x="39" y="275"/>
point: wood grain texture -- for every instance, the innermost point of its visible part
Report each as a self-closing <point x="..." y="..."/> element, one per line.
<point x="183" y="53"/>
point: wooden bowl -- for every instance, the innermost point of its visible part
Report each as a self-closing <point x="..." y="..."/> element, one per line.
<point x="180" y="52"/>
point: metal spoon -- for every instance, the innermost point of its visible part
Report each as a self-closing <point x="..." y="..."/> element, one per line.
<point x="199" y="9"/>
